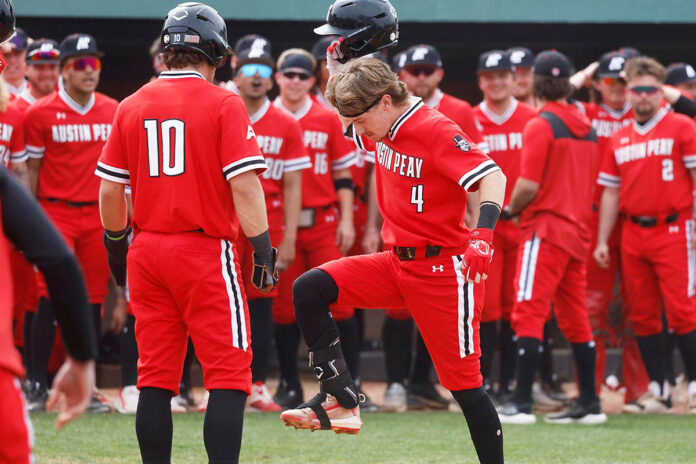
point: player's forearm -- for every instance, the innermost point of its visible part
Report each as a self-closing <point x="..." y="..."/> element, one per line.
<point x="292" y="203"/>
<point x="473" y="209"/>
<point x="581" y="78"/>
<point x="249" y="203"/>
<point x="608" y="213"/>
<point x="21" y="171"/>
<point x="522" y="195"/>
<point x="492" y="188"/>
<point x="112" y="205"/>
<point x="33" y="167"/>
<point x="346" y="196"/>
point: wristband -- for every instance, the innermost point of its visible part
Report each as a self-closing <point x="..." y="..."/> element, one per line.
<point x="262" y="246"/>
<point x="488" y="217"/>
<point x="344" y="183"/>
<point x="117" y="235"/>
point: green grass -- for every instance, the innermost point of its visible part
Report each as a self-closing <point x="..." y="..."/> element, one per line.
<point x="432" y="437"/>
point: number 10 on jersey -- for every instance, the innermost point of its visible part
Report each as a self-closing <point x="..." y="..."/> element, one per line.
<point x="172" y="163"/>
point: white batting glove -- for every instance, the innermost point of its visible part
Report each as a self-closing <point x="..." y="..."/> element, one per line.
<point x="333" y="55"/>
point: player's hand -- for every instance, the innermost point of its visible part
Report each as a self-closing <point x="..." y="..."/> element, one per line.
<point x="334" y="57"/>
<point x="72" y="390"/>
<point x="264" y="275"/>
<point x="601" y="255"/>
<point x="286" y="254"/>
<point x="372" y="241"/>
<point x="345" y="236"/>
<point x="118" y="315"/>
<point x="478" y="256"/>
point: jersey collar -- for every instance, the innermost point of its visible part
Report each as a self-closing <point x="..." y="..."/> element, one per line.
<point x="503" y="118"/>
<point x="616" y="114"/>
<point x="435" y="100"/>
<point x="416" y="103"/>
<point x="27" y="97"/>
<point x="16" y="91"/>
<point x="261" y="112"/>
<point x="299" y="114"/>
<point x="179" y="74"/>
<point x="79" y="109"/>
<point x="650" y="124"/>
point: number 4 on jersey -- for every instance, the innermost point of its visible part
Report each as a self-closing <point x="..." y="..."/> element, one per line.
<point x="172" y="153"/>
<point x="417" y="197"/>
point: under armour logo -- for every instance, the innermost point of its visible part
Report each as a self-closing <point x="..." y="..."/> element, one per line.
<point x="616" y="63"/>
<point x="493" y="60"/>
<point x="61" y="116"/>
<point x="673" y="229"/>
<point x="250" y="133"/>
<point x="440" y="268"/>
<point x="257" y="48"/>
<point x="83" y="43"/>
<point x="179" y="14"/>
<point x="516" y="56"/>
<point x="690" y="71"/>
<point x="419" y="53"/>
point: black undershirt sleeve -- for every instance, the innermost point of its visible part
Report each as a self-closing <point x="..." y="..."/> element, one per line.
<point x="28" y="229"/>
<point x="685" y="106"/>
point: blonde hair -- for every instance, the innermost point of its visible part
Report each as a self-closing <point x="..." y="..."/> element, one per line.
<point x="4" y="96"/>
<point x="361" y="82"/>
<point x="644" y="66"/>
<point x="297" y="51"/>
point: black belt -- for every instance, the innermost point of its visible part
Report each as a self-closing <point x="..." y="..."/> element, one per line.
<point x="648" y="221"/>
<point x="74" y="204"/>
<point x="410" y="253"/>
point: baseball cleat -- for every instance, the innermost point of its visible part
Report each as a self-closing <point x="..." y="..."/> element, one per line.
<point x="512" y="413"/>
<point x="323" y="412"/>
<point x="543" y="402"/>
<point x="260" y="400"/>
<point x="648" y="404"/>
<point x="394" y="398"/>
<point x="127" y="401"/>
<point x="579" y="413"/>
<point x="288" y="397"/>
<point x="427" y="394"/>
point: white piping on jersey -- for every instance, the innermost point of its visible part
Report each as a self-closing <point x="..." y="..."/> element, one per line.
<point x="179" y="74"/>
<point x="16" y="91"/>
<point x="261" y="112"/>
<point x="299" y="114"/>
<point x="650" y="123"/>
<point x="27" y="97"/>
<point x="465" y="310"/>
<point x="616" y="114"/>
<point x="691" y="258"/>
<point x="79" y="109"/>
<point x="434" y="102"/>
<point x="416" y="103"/>
<point x="608" y="180"/>
<point x="528" y="269"/>
<point x="503" y="118"/>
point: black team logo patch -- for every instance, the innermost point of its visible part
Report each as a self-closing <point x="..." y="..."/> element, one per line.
<point x="461" y="143"/>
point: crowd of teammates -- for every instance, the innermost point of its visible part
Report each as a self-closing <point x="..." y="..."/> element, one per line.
<point x="320" y="201"/>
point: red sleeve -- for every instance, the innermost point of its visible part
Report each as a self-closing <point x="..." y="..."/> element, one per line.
<point x="113" y="162"/>
<point x="457" y="158"/>
<point x="18" y="152"/>
<point x="341" y="151"/>
<point x="537" y="138"/>
<point x="294" y="152"/>
<point x="34" y="136"/>
<point x="688" y="144"/>
<point x="609" y="175"/>
<point x="239" y="150"/>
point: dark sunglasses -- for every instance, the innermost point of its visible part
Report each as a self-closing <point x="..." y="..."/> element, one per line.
<point x="613" y="80"/>
<point x="418" y="70"/>
<point x="647" y="89"/>
<point x="301" y="76"/>
<point x="39" y="55"/>
<point x="81" y="64"/>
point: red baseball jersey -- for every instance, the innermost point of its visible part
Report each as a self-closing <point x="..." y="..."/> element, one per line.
<point x="559" y="152"/>
<point x="9" y="357"/>
<point x="650" y="163"/>
<point x="280" y="139"/>
<point x="24" y="101"/>
<point x="458" y="111"/>
<point x="502" y="136"/>
<point x="68" y="138"/>
<point x="327" y="148"/>
<point x="177" y="141"/>
<point x="425" y="166"/>
<point x="12" y="148"/>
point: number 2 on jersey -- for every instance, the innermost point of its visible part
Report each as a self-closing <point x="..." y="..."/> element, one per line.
<point x="417" y="197"/>
<point x="667" y="170"/>
<point x="172" y="156"/>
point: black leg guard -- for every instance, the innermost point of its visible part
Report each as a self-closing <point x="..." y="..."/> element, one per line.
<point x="487" y="333"/>
<point x="508" y="353"/>
<point x="484" y="425"/>
<point x="330" y="368"/>
<point x="423" y="364"/>
<point x="585" y="359"/>
<point x="687" y="347"/>
<point x="350" y="341"/>
<point x="397" y="336"/>
<point x="528" y="356"/>
<point x="651" y="350"/>
<point x="260" y="313"/>
<point x="153" y="425"/>
<point x="222" y="428"/>
<point x="128" y="353"/>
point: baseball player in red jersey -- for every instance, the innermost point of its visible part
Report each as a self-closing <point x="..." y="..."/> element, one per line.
<point x="280" y="139"/>
<point x="325" y="229"/>
<point x="66" y="132"/>
<point x="553" y="194"/>
<point x="436" y="265"/>
<point x="501" y="119"/>
<point x="195" y="154"/>
<point x="648" y="176"/>
<point x="523" y="59"/>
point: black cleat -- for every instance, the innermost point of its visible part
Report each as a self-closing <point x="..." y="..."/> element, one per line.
<point x="288" y="398"/>
<point x="579" y="413"/>
<point x="427" y="394"/>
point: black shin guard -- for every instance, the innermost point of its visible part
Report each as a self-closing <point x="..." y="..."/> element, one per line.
<point x="585" y="359"/>
<point x="349" y="332"/>
<point x="508" y="353"/>
<point x="261" y="316"/>
<point x="528" y="357"/>
<point x="487" y="333"/>
<point x="222" y="428"/>
<point x="330" y="368"/>
<point x="687" y="347"/>
<point x="423" y="364"/>
<point x="652" y="352"/>
<point x="287" y="337"/>
<point x="153" y="425"/>
<point x="397" y="336"/>
<point x="484" y="424"/>
<point x="128" y="353"/>
<point x="43" y="333"/>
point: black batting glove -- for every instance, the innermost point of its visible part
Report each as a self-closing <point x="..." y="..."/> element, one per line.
<point x="264" y="275"/>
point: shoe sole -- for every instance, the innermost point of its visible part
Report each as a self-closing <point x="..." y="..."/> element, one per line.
<point x="518" y="419"/>
<point x="299" y="423"/>
<point x="590" y="419"/>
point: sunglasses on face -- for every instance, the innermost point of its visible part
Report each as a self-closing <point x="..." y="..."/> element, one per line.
<point x="417" y="71"/>
<point x="613" y="80"/>
<point x="81" y="64"/>
<point x="39" y="55"/>
<point x="250" y="70"/>
<point x="646" y="89"/>
<point x="291" y="75"/>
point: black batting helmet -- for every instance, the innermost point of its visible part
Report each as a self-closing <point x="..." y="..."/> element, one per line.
<point x="7" y="20"/>
<point x="198" y="27"/>
<point x="365" y="25"/>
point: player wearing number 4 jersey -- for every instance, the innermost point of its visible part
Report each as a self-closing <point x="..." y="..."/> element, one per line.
<point x="648" y="177"/>
<point x="189" y="152"/>
<point x="425" y="166"/>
